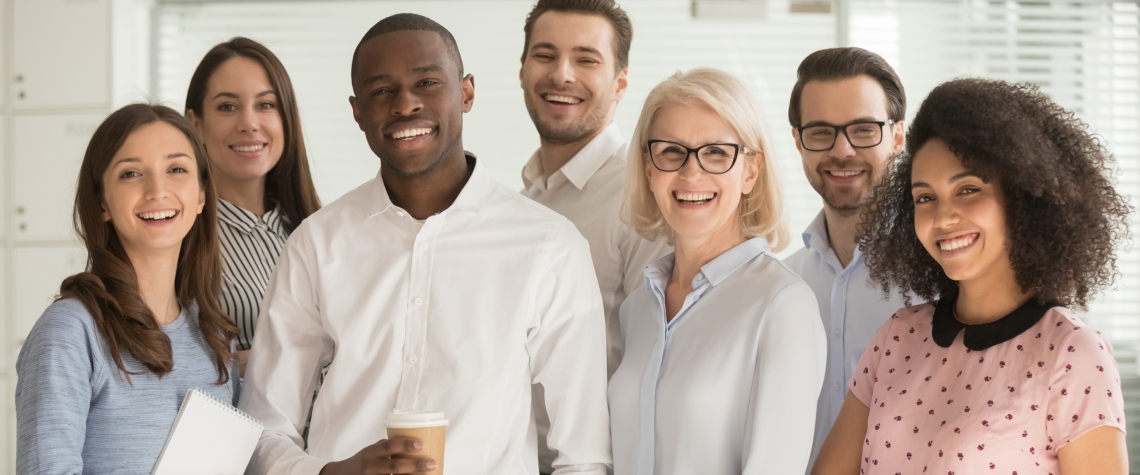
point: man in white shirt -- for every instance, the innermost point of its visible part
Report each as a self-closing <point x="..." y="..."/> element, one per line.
<point x="574" y="71"/>
<point x="847" y="110"/>
<point x="429" y="289"/>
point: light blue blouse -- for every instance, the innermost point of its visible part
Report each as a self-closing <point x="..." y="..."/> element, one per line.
<point x="728" y="386"/>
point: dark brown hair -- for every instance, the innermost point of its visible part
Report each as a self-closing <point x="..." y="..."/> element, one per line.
<point x="623" y="28"/>
<point x="289" y="184"/>
<point x="110" y="290"/>
<point x="1064" y="218"/>
<point x="836" y="64"/>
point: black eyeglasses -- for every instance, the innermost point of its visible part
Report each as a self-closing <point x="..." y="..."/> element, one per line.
<point x="714" y="158"/>
<point x="820" y="138"/>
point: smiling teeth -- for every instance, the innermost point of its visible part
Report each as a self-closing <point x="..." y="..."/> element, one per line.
<point x="247" y="148"/>
<point x="403" y="134"/>
<point x="158" y="215"/>
<point x="562" y="99"/>
<point x="957" y="243"/>
<point x="844" y="174"/>
<point x="695" y="196"/>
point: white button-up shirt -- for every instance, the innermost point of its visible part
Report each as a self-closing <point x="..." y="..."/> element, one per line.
<point x="460" y="313"/>
<point x="587" y="190"/>
<point x="852" y="310"/>
<point x="728" y="386"/>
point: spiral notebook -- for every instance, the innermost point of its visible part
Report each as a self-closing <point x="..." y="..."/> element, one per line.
<point x="208" y="437"/>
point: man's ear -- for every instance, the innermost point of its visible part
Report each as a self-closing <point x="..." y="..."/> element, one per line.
<point x="468" y="87"/>
<point x="355" y="111"/>
<point x="796" y="139"/>
<point x="622" y="84"/>
<point x="898" y="133"/>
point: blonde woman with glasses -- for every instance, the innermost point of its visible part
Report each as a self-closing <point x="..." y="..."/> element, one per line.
<point x="724" y="349"/>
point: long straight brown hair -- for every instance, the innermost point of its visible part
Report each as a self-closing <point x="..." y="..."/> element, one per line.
<point x="289" y="183"/>
<point x="110" y="290"/>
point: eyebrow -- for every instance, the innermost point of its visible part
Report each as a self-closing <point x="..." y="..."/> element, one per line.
<point x="922" y="184"/>
<point x="580" y="49"/>
<point x="431" y="68"/>
<point x="235" y="96"/>
<point x="856" y="121"/>
<point x="171" y="156"/>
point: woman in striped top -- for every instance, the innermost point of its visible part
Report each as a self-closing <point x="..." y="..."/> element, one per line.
<point x="242" y="103"/>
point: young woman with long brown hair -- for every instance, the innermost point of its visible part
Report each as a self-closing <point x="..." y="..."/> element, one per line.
<point x="242" y="103"/>
<point x="105" y="368"/>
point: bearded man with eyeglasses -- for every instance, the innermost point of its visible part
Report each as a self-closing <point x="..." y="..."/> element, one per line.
<point x="847" y="111"/>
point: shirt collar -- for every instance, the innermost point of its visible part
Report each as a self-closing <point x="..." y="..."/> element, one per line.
<point x="946" y="327"/>
<point x="715" y="271"/>
<point x="583" y="164"/>
<point x="470" y="198"/>
<point x="246" y="220"/>
<point x="815" y="236"/>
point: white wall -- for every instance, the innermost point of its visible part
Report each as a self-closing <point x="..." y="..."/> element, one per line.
<point x="65" y="65"/>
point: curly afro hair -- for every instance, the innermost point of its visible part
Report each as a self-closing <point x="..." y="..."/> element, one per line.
<point x="1065" y="219"/>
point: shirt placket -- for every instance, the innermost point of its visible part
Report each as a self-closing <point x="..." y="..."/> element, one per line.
<point x="837" y="359"/>
<point x="416" y="319"/>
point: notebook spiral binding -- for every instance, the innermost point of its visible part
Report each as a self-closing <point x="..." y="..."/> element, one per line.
<point x="233" y="410"/>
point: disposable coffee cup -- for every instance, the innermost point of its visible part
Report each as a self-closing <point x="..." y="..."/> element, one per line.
<point x="429" y="427"/>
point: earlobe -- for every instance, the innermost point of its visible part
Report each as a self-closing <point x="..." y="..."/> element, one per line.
<point x="355" y="111"/>
<point x="201" y="201"/>
<point x="751" y="174"/>
<point x="622" y="84"/>
<point x="796" y="140"/>
<point x="469" y="91"/>
<point x="106" y="215"/>
<point x="194" y="120"/>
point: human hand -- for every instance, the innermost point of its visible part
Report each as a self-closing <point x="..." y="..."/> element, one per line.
<point x="377" y="459"/>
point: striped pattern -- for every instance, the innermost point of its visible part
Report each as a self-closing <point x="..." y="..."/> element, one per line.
<point x="251" y="246"/>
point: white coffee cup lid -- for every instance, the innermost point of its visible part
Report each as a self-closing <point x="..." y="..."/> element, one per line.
<point x="415" y="420"/>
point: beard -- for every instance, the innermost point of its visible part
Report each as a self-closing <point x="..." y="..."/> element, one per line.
<point x="561" y="132"/>
<point x="848" y="199"/>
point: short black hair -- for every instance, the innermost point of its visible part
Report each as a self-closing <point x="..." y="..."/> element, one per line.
<point x="409" y="22"/>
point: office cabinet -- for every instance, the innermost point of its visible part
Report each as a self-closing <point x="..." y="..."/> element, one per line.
<point x="38" y="273"/>
<point x="46" y="153"/>
<point x="61" y="54"/>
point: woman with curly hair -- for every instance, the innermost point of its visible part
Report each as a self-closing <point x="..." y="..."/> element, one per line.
<point x="1002" y="209"/>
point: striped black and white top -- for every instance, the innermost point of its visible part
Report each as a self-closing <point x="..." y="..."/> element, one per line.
<point x="251" y="247"/>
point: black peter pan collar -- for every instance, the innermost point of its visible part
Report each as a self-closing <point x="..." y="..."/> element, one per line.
<point x="979" y="337"/>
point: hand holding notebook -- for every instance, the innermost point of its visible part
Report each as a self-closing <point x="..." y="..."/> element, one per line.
<point x="209" y="437"/>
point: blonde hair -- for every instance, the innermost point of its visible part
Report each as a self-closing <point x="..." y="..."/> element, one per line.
<point x="761" y="210"/>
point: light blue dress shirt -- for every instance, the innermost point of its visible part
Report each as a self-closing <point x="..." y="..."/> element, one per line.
<point x="728" y="386"/>
<point x="851" y="308"/>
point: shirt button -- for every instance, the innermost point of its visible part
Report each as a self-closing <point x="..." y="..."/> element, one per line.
<point x="837" y="333"/>
<point x="418" y="301"/>
<point x="424" y="246"/>
<point x="400" y="214"/>
<point x="837" y="385"/>
<point x="841" y="279"/>
<point x="412" y="359"/>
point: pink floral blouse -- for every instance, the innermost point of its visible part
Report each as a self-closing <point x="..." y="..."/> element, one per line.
<point x="1005" y="409"/>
